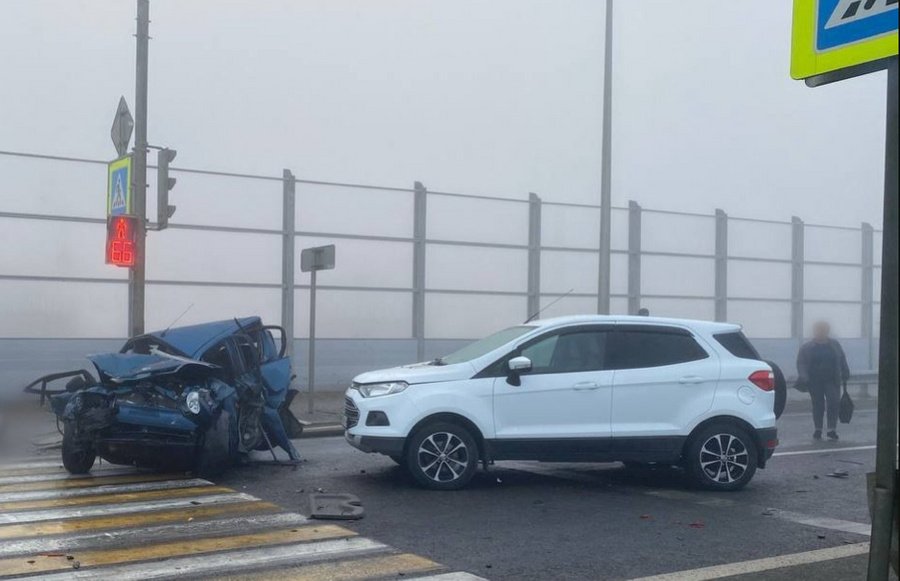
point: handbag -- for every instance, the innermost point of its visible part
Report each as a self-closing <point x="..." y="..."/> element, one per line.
<point x="845" y="413"/>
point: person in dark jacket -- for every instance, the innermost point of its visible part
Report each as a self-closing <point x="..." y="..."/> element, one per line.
<point x="822" y="367"/>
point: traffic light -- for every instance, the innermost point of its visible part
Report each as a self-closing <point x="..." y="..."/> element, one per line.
<point x="121" y="239"/>
<point x="163" y="184"/>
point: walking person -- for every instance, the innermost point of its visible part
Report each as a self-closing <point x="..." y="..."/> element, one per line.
<point x="822" y="367"/>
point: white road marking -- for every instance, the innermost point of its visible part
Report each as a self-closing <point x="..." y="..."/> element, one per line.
<point x="760" y="565"/>
<point x="823" y="451"/>
<point x="121" y="508"/>
<point x="33" y="464"/>
<point x="824" y="522"/>
<point x="451" y="577"/>
<point x="143" y="535"/>
<point x="102" y="489"/>
<point x="216" y="563"/>
<point x="118" y="471"/>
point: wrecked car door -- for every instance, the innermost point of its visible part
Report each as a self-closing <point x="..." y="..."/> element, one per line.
<point x="264" y="400"/>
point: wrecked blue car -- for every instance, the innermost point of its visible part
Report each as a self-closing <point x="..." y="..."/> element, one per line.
<point x="190" y="398"/>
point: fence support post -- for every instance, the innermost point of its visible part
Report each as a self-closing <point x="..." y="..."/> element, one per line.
<point x="721" y="284"/>
<point x="288" y="228"/>
<point x="868" y="297"/>
<point x="797" y="259"/>
<point x="634" y="257"/>
<point x="418" y="304"/>
<point x="534" y="254"/>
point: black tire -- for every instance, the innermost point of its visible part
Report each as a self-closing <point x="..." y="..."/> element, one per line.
<point x="77" y="456"/>
<point x="442" y="456"/>
<point x="722" y="456"/>
<point x="214" y="448"/>
<point x="780" y="388"/>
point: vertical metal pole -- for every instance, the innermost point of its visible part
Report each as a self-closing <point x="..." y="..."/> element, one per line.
<point x="867" y="330"/>
<point x="634" y="257"/>
<point x="884" y="511"/>
<point x="603" y="288"/>
<point x="420" y="215"/>
<point x="797" y="294"/>
<point x="311" y="364"/>
<point x="721" y="284"/>
<point x="534" y="255"/>
<point x="288" y="220"/>
<point x="138" y="273"/>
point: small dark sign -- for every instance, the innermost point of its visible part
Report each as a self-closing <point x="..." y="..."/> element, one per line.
<point x="317" y="258"/>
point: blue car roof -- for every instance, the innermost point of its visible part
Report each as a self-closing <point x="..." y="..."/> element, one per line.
<point x="193" y="340"/>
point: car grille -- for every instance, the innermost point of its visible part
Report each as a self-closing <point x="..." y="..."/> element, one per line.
<point x="351" y="413"/>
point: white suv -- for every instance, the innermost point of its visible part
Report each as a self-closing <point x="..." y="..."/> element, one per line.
<point x="576" y="389"/>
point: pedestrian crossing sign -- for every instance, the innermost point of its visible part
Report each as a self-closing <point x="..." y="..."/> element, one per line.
<point x="832" y="35"/>
<point x="118" y="189"/>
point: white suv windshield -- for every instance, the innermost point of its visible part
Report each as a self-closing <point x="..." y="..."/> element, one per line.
<point x="486" y="345"/>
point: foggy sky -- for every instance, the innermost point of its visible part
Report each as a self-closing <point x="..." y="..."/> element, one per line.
<point x="500" y="98"/>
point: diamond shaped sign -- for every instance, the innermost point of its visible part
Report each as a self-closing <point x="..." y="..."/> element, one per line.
<point x="122" y="126"/>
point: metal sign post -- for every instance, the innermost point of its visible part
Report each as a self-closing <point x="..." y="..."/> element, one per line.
<point x="834" y="40"/>
<point x="313" y="260"/>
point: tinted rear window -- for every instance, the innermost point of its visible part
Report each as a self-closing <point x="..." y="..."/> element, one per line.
<point x="639" y="349"/>
<point x="737" y="344"/>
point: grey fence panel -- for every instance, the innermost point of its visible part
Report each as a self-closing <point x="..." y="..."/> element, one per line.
<point x="418" y="272"/>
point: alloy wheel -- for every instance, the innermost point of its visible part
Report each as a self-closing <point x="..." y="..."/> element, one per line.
<point x="443" y="457"/>
<point x="724" y="458"/>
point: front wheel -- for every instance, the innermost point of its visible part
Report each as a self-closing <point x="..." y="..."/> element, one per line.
<point x="722" y="457"/>
<point x="77" y="456"/>
<point x="442" y="456"/>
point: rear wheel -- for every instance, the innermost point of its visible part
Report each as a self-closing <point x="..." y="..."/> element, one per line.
<point x="77" y="455"/>
<point x="722" y="457"/>
<point x="442" y="456"/>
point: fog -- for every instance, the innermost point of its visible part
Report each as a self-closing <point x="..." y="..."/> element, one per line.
<point x="500" y="99"/>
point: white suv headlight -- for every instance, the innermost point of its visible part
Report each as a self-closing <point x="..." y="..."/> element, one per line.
<point x="380" y="389"/>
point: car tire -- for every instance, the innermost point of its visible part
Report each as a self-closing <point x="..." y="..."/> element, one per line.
<point x="780" y="388"/>
<point x="214" y="448"/>
<point x="722" y="457"/>
<point x="442" y="456"/>
<point x="77" y="457"/>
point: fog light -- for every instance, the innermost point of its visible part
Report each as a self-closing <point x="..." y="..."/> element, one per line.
<point x="377" y="419"/>
<point x="192" y="401"/>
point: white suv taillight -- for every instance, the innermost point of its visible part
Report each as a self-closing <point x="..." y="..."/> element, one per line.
<point x="763" y="379"/>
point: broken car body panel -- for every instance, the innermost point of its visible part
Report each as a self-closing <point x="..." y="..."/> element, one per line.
<point x="186" y="398"/>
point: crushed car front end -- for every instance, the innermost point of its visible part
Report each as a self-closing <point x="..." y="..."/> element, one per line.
<point x="156" y="411"/>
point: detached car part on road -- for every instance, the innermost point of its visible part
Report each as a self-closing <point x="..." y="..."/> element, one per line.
<point x="187" y="398"/>
<point x="578" y="389"/>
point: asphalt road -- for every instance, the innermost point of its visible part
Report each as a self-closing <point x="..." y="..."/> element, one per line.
<point x="531" y="521"/>
<point x="519" y="521"/>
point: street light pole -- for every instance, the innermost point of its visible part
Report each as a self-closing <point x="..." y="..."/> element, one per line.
<point x="137" y="273"/>
<point x="603" y="290"/>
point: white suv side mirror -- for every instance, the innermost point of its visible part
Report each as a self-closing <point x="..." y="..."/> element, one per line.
<point x="520" y="364"/>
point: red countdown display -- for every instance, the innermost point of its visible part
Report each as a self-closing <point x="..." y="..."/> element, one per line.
<point x="120" y="240"/>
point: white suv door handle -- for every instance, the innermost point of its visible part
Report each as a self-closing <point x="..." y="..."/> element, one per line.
<point x="585" y="386"/>
<point x="691" y="379"/>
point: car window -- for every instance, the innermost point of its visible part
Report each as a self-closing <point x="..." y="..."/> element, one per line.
<point x="250" y="355"/>
<point x="218" y="355"/>
<point x="737" y="344"/>
<point x="641" y="349"/>
<point x="568" y="352"/>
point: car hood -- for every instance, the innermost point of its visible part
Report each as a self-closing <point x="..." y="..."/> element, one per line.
<point x="418" y="373"/>
<point x="129" y="367"/>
